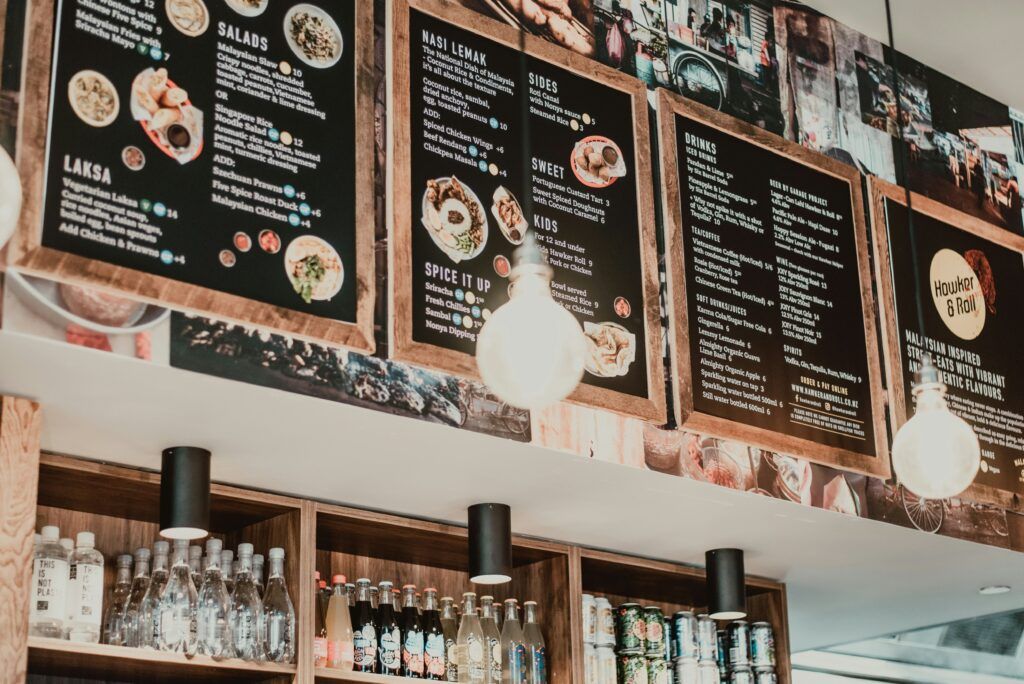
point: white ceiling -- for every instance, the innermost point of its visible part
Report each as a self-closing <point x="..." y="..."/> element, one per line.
<point x="848" y="578"/>
<point x="976" y="42"/>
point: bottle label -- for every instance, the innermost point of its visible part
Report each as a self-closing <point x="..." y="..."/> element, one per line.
<point x="494" y="646"/>
<point x="340" y="653"/>
<point x="517" y="664"/>
<point x="451" y="650"/>
<point x="365" y="646"/>
<point x="86" y="593"/>
<point x="412" y="652"/>
<point x="433" y="655"/>
<point x="319" y="650"/>
<point x="539" y="666"/>
<point x="49" y="586"/>
<point x="475" y="658"/>
<point x="390" y="651"/>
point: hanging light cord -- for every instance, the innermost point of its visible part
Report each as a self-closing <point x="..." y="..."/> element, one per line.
<point x="905" y="164"/>
<point x="524" y="113"/>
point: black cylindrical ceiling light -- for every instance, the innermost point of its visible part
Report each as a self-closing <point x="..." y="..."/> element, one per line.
<point x="727" y="596"/>
<point x="185" y="493"/>
<point x="490" y="543"/>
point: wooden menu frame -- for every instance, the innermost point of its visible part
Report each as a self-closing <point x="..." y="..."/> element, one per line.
<point x="881" y="192"/>
<point x="26" y="253"/>
<point x="670" y="106"/>
<point x="403" y="347"/>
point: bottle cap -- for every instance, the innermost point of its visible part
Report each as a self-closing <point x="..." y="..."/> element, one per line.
<point x="467" y="594"/>
<point x="276" y="553"/>
<point x="213" y="546"/>
<point x="486" y="598"/>
<point x="316" y="575"/>
<point x="226" y="556"/>
<point x="38" y="538"/>
<point x="322" y="584"/>
<point x="430" y="589"/>
<point x="385" y="585"/>
<point x="67" y="544"/>
<point x="51" y="533"/>
<point x="142" y="554"/>
<point x="257" y="559"/>
<point x="195" y="552"/>
<point x="161" y="548"/>
<point x="125" y="560"/>
<point x="85" y="540"/>
<point x="408" y="586"/>
<point x="338" y="579"/>
<point x="244" y="549"/>
<point x="362" y="580"/>
<point x="529" y="603"/>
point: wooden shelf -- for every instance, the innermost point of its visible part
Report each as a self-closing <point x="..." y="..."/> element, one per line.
<point x="324" y="673"/>
<point x="56" y="657"/>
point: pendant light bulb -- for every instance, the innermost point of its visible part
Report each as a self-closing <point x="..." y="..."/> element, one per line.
<point x="935" y="454"/>
<point x="531" y="351"/>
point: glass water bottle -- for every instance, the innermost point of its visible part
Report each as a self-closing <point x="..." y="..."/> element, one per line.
<point x="134" y="624"/>
<point x="114" y="615"/>
<point x="213" y="629"/>
<point x="278" y="624"/>
<point x="536" y="654"/>
<point x="513" y="647"/>
<point x="246" y="608"/>
<point x="492" y="640"/>
<point x="472" y="662"/>
<point x="149" y="621"/>
<point x="178" y="604"/>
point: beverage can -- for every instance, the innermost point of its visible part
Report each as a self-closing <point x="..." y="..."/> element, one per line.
<point x="707" y="672"/>
<point x="589" y="619"/>
<point x="765" y="675"/>
<point x="606" y="665"/>
<point x="657" y="671"/>
<point x="707" y="639"/>
<point x="741" y="675"/>
<point x="632" y="669"/>
<point x="762" y="645"/>
<point x="723" y="650"/>
<point x="654" y="632"/>
<point x="591" y="669"/>
<point x="684" y="635"/>
<point x="686" y="671"/>
<point x="605" y="622"/>
<point x="739" y="644"/>
<point x="630" y="629"/>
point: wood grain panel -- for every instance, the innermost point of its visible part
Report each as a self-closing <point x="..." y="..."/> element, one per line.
<point x="26" y="253"/>
<point x="671" y="106"/>
<point x="20" y="421"/>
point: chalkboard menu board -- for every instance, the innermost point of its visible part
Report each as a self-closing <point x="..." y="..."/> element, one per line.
<point x="210" y="154"/>
<point x="774" y="338"/>
<point x="465" y="197"/>
<point x="969" y="275"/>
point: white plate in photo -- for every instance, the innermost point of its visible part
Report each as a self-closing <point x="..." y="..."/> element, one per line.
<point x="248" y="8"/>
<point x="306" y="246"/>
<point x="188" y="16"/>
<point x="93" y="98"/>
<point x="453" y="253"/>
<point x="313" y="35"/>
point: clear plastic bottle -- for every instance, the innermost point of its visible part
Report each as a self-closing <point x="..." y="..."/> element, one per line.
<point x="433" y="637"/>
<point x="213" y="629"/>
<point x="246" y="609"/>
<point x="492" y="640"/>
<point x="85" y="588"/>
<point x="178" y="604"/>
<point x="319" y="623"/>
<point x="48" y="608"/>
<point x="471" y="646"/>
<point x="364" y="629"/>
<point x="257" y="573"/>
<point x="412" y="634"/>
<point x="339" y="627"/>
<point x="536" y="653"/>
<point x="278" y="624"/>
<point x="513" y="646"/>
<point x="134" y="625"/>
<point x="114" y="615"/>
<point x="149" y="619"/>
<point x="68" y="544"/>
<point x="195" y="565"/>
<point x="450" y="626"/>
<point x="389" y="633"/>
<point x="227" y="564"/>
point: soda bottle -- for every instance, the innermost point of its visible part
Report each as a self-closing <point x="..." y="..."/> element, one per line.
<point x="149" y="620"/>
<point x="339" y="628"/>
<point x="113" y="617"/>
<point x="85" y="591"/>
<point x="513" y="647"/>
<point x="133" y="620"/>
<point x="492" y="640"/>
<point x="364" y="631"/>
<point x="450" y="627"/>
<point x="412" y="634"/>
<point x="212" y="614"/>
<point x="536" y="654"/>
<point x="277" y="626"/>
<point x="320" y="624"/>
<point x="246" y="608"/>
<point x="472" y="662"/>
<point x="389" y="633"/>
<point x="49" y="604"/>
<point x="433" y="637"/>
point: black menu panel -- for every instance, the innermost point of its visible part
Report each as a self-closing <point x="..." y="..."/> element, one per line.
<point x="773" y="291"/>
<point x="211" y="142"/>
<point x="972" y="316"/>
<point x="469" y="203"/>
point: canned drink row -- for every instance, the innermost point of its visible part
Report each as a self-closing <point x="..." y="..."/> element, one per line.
<point x="599" y="665"/>
<point x="750" y="645"/>
<point x="598" y="621"/>
<point x="758" y="675"/>
<point x="693" y="637"/>
<point x="640" y="631"/>
<point x="693" y="671"/>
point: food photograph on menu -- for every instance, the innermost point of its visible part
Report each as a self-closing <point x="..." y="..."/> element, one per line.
<point x="476" y="196"/>
<point x="191" y="139"/>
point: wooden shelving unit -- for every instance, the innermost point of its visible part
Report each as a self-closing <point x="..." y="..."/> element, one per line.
<point x="120" y="505"/>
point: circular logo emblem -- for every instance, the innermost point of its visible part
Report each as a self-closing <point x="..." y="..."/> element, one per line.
<point x="957" y="293"/>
